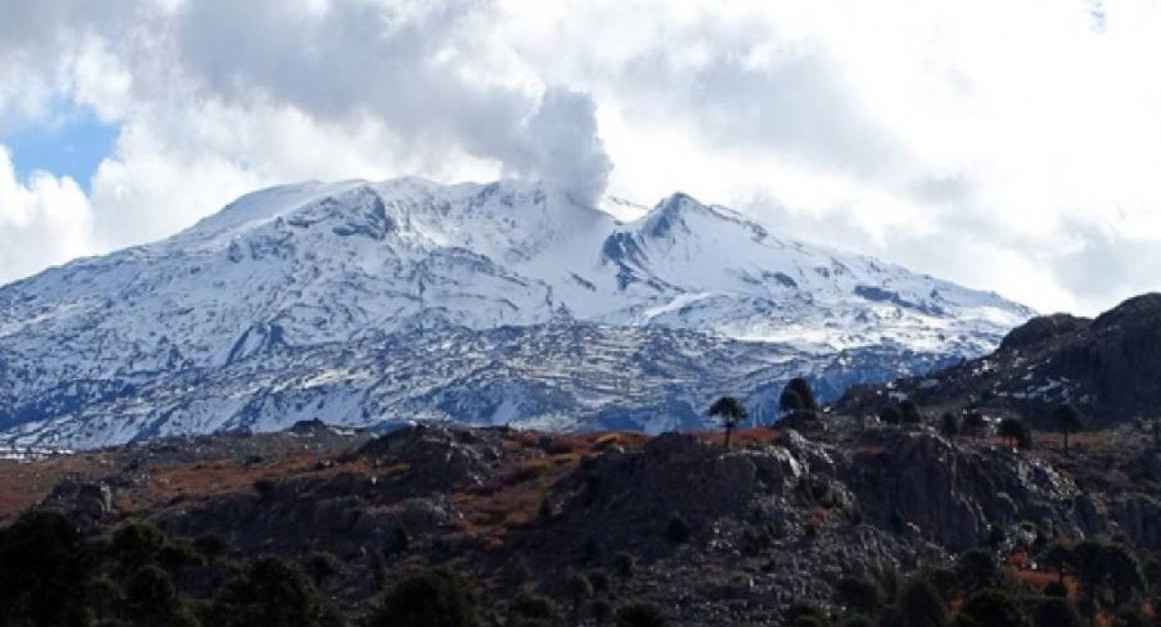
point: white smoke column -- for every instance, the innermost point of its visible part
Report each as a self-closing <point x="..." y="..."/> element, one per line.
<point x="568" y="153"/>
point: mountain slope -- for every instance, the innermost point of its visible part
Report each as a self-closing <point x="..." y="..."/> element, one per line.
<point x="314" y="278"/>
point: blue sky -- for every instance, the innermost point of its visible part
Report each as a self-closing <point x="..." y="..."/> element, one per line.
<point x="72" y="144"/>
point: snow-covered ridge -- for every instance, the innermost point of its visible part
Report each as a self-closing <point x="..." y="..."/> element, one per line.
<point x="340" y="265"/>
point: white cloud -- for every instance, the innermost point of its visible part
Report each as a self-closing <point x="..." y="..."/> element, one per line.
<point x="1008" y="145"/>
<point x="43" y="220"/>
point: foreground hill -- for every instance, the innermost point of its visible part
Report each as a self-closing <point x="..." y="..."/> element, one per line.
<point x="709" y="536"/>
<point x="500" y="303"/>
<point x="1108" y="367"/>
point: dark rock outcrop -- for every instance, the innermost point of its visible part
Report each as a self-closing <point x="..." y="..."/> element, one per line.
<point x="956" y="496"/>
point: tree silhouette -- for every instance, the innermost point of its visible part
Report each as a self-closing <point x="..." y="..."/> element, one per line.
<point x="949" y="425"/>
<point x="889" y="415"/>
<point x="1015" y="433"/>
<point x="1056" y="556"/>
<point x="731" y="411"/>
<point x="790" y="402"/>
<point x="801" y="387"/>
<point x="910" y="413"/>
<point x="1088" y="565"/>
<point x="1067" y="420"/>
<point x="1106" y="570"/>
<point x="974" y="423"/>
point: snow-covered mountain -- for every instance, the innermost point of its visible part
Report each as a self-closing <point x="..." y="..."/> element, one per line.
<point x="359" y="302"/>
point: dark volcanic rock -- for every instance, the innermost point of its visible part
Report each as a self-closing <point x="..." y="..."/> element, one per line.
<point x="1042" y="329"/>
<point x="88" y="503"/>
<point x="955" y="495"/>
<point x="1109" y="367"/>
<point x="436" y="456"/>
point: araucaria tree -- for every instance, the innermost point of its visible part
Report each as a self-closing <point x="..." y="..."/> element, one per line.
<point x="1016" y="433"/>
<point x="1067" y="420"/>
<point x="730" y="411"/>
<point x="801" y="387"/>
<point x="789" y="402"/>
<point x="974" y="423"/>
<point x="949" y="425"/>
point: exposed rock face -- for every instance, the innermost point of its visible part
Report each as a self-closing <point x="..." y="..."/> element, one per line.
<point x="684" y="474"/>
<point x="1042" y="329"/>
<point x="1138" y="516"/>
<point x="778" y="518"/>
<point x="437" y="456"/>
<point x="88" y="503"/>
<point x="954" y="495"/>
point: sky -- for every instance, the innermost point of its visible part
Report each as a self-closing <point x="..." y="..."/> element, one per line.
<point x="1009" y="145"/>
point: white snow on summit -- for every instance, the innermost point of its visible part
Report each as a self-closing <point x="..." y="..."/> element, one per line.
<point x="339" y="265"/>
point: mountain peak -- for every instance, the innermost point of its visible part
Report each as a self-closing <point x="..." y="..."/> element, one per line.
<point x="336" y="272"/>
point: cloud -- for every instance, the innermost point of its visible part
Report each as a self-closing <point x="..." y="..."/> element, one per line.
<point x="423" y="69"/>
<point x="1008" y="145"/>
<point x="43" y="220"/>
<point x="1105" y="266"/>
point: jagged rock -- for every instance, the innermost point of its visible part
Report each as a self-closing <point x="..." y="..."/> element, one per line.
<point x="434" y="456"/>
<point x="1138" y="516"/>
<point x="952" y="494"/>
<point x="88" y="503"/>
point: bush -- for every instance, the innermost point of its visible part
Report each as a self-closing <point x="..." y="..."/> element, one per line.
<point x="640" y="615"/>
<point x="272" y="592"/>
<point x="211" y="546"/>
<point x="136" y="544"/>
<point x="178" y="554"/>
<point x="1056" y="589"/>
<point x="153" y="598"/>
<point x="678" y="530"/>
<point x="977" y="570"/>
<point x="800" y="611"/>
<point x="533" y="610"/>
<point x="859" y="594"/>
<point x="1056" y="612"/>
<point x="922" y="606"/>
<point x="602" y="612"/>
<point x="599" y="580"/>
<point x="1132" y="617"/>
<point x="994" y="609"/>
<point x="321" y="566"/>
<point x="433" y="598"/>
<point x="624" y="565"/>
<point x="43" y="569"/>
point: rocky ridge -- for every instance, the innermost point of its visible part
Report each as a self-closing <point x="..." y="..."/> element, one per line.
<point x="780" y="517"/>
